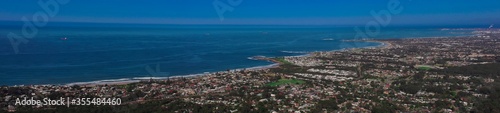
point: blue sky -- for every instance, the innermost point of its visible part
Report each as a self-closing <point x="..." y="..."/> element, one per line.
<point x="301" y="12"/>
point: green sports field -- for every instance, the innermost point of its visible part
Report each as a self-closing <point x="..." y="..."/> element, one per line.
<point x="285" y="81"/>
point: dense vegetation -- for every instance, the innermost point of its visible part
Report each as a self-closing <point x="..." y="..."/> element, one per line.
<point x="482" y="70"/>
<point x="492" y="103"/>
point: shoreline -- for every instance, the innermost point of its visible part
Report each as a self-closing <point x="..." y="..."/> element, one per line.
<point x="123" y="81"/>
<point x="276" y="64"/>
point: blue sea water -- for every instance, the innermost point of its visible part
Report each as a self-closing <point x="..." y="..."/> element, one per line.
<point x="62" y="54"/>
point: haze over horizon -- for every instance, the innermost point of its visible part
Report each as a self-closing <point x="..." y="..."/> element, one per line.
<point x="260" y="12"/>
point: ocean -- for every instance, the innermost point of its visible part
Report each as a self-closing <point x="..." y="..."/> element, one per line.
<point x="69" y="53"/>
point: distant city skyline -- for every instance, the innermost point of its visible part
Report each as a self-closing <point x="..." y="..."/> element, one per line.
<point x="255" y="12"/>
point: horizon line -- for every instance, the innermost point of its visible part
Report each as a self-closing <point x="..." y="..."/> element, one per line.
<point x="16" y="22"/>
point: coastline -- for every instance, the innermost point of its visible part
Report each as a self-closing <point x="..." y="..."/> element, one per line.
<point x="123" y="81"/>
<point x="276" y="64"/>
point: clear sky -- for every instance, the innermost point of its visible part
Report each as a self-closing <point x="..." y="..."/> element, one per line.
<point x="302" y="12"/>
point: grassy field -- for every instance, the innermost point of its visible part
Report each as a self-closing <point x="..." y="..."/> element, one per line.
<point x="425" y="68"/>
<point x="285" y="81"/>
<point x="283" y="61"/>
